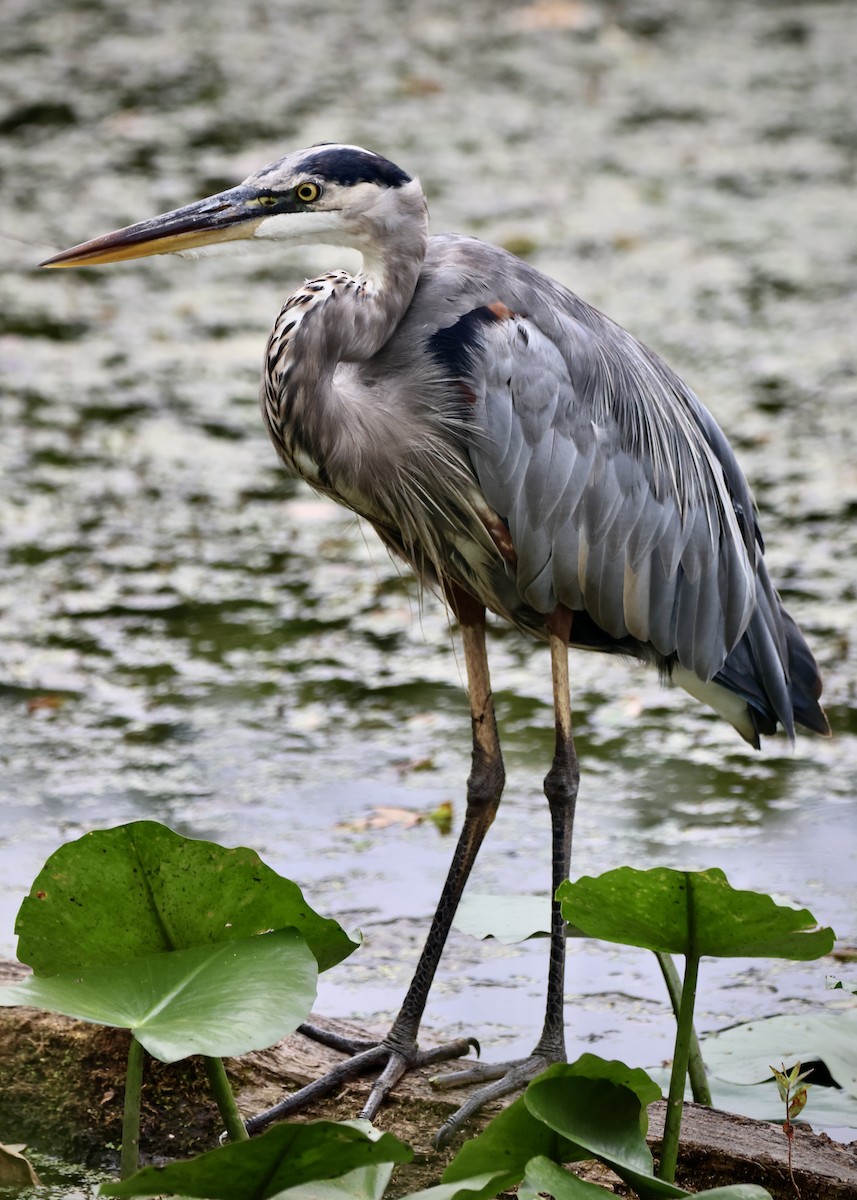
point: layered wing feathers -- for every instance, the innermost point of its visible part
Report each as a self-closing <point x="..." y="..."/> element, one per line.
<point x="647" y="543"/>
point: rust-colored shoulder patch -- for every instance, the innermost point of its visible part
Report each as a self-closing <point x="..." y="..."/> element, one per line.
<point x="499" y="310"/>
<point x="500" y="536"/>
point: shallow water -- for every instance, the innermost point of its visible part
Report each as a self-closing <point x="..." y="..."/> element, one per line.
<point x="222" y="651"/>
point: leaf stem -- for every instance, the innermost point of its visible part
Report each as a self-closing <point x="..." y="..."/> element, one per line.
<point x="129" y="1158"/>
<point x="672" y="1125"/>
<point x="695" y="1066"/>
<point x="223" y="1094"/>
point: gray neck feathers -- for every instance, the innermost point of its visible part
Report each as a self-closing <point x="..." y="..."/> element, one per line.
<point x="378" y="438"/>
<point x="323" y="421"/>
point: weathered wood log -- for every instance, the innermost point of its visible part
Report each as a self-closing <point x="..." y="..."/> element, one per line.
<point x="62" y="1084"/>
<point x="719" y="1147"/>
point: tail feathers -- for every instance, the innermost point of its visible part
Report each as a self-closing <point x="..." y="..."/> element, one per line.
<point x="772" y="669"/>
<point x="805" y="681"/>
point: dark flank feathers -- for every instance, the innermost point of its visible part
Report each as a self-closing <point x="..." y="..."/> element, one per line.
<point x="457" y="346"/>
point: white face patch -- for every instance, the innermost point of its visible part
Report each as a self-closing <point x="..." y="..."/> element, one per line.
<point x="305" y="227"/>
<point x="328" y="227"/>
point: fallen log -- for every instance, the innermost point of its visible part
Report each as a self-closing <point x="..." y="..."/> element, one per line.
<point x="62" y="1087"/>
<point x="719" y="1148"/>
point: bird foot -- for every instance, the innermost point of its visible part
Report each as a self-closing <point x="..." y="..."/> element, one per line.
<point x="394" y="1057"/>
<point x="497" y="1079"/>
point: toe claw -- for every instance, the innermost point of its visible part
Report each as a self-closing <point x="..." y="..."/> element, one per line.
<point x="444" y="1053"/>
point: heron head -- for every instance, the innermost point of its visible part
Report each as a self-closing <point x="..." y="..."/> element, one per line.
<point x="336" y="194"/>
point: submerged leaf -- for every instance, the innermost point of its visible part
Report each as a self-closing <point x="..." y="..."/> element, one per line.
<point x="690" y="913"/>
<point x="383" y="816"/>
<point x="118" y="894"/>
<point x="509" y="919"/>
<point x="16" y="1171"/>
<point x="219" y="1000"/>
<point x="831" y="1107"/>
<point x="743" y="1054"/>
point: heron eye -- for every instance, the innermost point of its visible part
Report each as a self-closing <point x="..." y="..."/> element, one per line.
<point x="307" y="192"/>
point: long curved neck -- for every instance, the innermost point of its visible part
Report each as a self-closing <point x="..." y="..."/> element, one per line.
<point x="333" y="320"/>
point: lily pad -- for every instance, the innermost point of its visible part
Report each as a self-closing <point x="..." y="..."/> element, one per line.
<point x="504" y="1147"/>
<point x="690" y="913"/>
<point x="118" y="894"/>
<point x="218" y="1000"/>
<point x="478" y="1186"/>
<point x="546" y="1178"/>
<point x="602" y="1120"/>
<point x="363" y="1183"/>
<point x="264" y="1167"/>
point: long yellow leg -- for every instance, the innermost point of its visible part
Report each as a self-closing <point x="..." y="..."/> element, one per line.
<point x="484" y="788"/>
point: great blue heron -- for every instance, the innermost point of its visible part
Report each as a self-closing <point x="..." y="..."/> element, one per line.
<point x="524" y="454"/>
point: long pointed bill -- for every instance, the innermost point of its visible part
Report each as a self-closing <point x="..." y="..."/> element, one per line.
<point x="226" y="217"/>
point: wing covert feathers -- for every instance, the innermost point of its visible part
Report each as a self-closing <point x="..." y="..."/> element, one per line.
<point x="622" y="499"/>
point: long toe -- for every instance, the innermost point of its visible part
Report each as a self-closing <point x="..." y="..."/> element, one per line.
<point x="404" y="1060"/>
<point x="498" y="1079"/>
<point x="336" y="1041"/>
<point x="351" y="1068"/>
<point x="392" y="1063"/>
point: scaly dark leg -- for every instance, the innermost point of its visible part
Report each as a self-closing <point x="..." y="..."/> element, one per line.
<point x="561" y="784"/>
<point x="398" y="1052"/>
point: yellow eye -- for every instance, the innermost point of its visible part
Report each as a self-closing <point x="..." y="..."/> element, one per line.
<point x="307" y="192"/>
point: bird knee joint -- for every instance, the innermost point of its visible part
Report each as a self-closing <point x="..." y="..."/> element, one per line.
<point x="485" y="783"/>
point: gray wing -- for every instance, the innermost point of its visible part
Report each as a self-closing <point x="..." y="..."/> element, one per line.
<point x="620" y="493"/>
